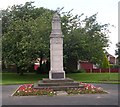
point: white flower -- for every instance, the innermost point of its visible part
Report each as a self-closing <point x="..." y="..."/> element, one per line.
<point x="99" y="88"/>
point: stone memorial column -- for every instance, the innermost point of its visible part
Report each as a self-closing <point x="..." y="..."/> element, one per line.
<point x="56" y="50"/>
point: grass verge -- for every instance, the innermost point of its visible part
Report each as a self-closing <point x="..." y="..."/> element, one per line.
<point x="13" y="78"/>
<point x="95" y="77"/>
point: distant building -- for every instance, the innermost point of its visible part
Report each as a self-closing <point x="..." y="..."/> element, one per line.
<point x="88" y="65"/>
<point x="117" y="62"/>
<point x="111" y="59"/>
<point x="85" y="65"/>
<point x="37" y="63"/>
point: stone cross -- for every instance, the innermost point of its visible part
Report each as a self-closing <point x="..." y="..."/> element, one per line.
<point x="56" y="50"/>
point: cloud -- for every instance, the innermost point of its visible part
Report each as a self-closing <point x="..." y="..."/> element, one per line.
<point x="6" y="3"/>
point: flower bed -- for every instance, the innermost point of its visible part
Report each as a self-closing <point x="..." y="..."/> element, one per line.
<point x="28" y="90"/>
<point x="88" y="89"/>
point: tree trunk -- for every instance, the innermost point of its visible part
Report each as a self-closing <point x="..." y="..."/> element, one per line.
<point x="21" y="73"/>
<point x="71" y="64"/>
<point x="20" y="70"/>
<point x="41" y="58"/>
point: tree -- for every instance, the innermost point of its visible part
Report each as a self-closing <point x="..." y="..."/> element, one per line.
<point x="104" y="62"/>
<point x="26" y="37"/>
<point x="26" y="31"/>
<point x="84" y="39"/>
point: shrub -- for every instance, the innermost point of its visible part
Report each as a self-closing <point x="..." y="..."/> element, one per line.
<point x="114" y="66"/>
<point x="105" y="62"/>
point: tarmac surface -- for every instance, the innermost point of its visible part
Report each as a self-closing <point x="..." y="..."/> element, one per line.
<point x="83" y="99"/>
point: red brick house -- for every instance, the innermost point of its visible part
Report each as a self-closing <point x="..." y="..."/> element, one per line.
<point x="88" y="65"/>
<point x="85" y="65"/>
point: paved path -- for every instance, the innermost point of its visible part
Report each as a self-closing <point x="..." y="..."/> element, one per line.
<point x="88" y="99"/>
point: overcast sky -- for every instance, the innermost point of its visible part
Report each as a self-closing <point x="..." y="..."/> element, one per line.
<point x="107" y="11"/>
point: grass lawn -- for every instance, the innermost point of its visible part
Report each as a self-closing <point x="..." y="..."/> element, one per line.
<point x="13" y="78"/>
<point x="95" y="77"/>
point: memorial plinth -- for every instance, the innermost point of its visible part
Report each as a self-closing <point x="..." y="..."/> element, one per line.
<point x="56" y="50"/>
<point x="56" y="80"/>
<point x="57" y="85"/>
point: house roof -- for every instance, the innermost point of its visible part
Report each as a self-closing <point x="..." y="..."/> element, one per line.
<point x="110" y="55"/>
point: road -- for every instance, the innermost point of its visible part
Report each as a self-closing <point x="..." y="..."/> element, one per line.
<point x="84" y="99"/>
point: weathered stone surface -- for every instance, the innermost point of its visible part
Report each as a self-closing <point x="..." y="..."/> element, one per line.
<point x="57" y="85"/>
<point x="57" y="41"/>
<point x="56" y="47"/>
<point x="47" y="80"/>
<point x="61" y="93"/>
<point x="57" y="88"/>
<point x="56" y="50"/>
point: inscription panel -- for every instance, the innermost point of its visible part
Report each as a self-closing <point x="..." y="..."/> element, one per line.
<point x="57" y="75"/>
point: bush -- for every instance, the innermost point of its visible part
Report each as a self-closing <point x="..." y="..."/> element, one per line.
<point x="105" y="62"/>
<point x="114" y="66"/>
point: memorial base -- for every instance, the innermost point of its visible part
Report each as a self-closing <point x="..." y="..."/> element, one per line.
<point x="56" y="75"/>
<point x="57" y="84"/>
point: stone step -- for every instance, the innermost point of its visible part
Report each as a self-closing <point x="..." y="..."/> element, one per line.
<point x="57" y="84"/>
<point x="40" y="83"/>
<point x="46" y="80"/>
<point x="57" y="88"/>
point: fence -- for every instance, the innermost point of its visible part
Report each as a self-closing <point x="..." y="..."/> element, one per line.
<point x="103" y="70"/>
